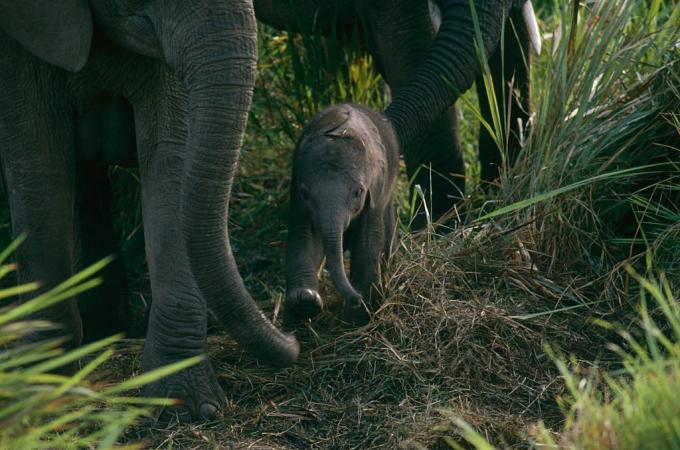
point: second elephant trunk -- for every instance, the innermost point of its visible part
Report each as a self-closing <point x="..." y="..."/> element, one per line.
<point x="449" y="66"/>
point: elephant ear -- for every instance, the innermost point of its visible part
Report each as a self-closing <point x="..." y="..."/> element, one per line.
<point x="57" y="31"/>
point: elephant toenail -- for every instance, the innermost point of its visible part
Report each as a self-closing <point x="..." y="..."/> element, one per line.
<point x="209" y="411"/>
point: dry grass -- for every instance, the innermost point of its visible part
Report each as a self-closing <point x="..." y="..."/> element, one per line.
<point x="462" y="330"/>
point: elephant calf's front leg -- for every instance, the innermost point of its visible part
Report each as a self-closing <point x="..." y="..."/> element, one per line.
<point x="303" y="259"/>
<point x="367" y="249"/>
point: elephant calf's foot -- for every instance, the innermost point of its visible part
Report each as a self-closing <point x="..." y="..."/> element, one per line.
<point x="199" y="395"/>
<point x="301" y="304"/>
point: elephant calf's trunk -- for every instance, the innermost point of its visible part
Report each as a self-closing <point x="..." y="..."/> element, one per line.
<point x="332" y="243"/>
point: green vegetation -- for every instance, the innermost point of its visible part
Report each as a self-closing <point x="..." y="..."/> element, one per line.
<point x="634" y="407"/>
<point x="639" y="409"/>
<point x="546" y="317"/>
<point x="597" y="191"/>
<point x="41" y="409"/>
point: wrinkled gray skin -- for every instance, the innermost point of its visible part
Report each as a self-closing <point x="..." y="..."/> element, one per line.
<point x="345" y="169"/>
<point x="400" y="35"/>
<point x="187" y="70"/>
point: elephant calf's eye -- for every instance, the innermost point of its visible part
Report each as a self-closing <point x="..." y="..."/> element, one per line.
<point x="358" y="192"/>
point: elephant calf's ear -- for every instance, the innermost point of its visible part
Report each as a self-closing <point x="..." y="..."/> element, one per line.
<point x="57" y="31"/>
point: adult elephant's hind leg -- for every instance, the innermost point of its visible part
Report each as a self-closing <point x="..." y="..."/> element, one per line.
<point x="435" y="163"/>
<point x="178" y="320"/>
<point x="36" y="146"/>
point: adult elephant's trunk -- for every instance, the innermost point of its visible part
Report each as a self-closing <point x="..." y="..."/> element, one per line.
<point x="332" y="229"/>
<point x="216" y="59"/>
<point x="449" y="67"/>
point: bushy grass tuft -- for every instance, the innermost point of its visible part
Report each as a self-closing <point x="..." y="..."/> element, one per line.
<point x="637" y="406"/>
<point x="42" y="409"/>
<point x="634" y="407"/>
<point x="599" y="171"/>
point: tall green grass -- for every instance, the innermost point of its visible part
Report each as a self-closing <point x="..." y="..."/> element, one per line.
<point x="598" y="174"/>
<point x="40" y="409"/>
<point x="301" y="74"/>
<point x="597" y="187"/>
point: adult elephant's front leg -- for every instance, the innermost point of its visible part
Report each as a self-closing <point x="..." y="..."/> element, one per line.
<point x="36" y="146"/>
<point x="177" y="320"/>
<point x="400" y="33"/>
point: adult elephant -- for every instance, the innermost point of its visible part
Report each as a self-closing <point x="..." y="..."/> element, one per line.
<point x="425" y="81"/>
<point x="187" y="69"/>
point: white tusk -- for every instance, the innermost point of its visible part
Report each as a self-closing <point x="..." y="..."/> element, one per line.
<point x="532" y="26"/>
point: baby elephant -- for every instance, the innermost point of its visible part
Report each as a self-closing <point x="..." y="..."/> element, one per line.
<point x="344" y="174"/>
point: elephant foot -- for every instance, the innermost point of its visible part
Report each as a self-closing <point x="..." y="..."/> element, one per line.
<point x="355" y="312"/>
<point x="301" y="304"/>
<point x="199" y="395"/>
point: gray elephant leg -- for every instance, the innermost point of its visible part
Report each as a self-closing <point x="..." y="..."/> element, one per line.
<point x="435" y="163"/>
<point x="399" y="34"/>
<point x="178" y="318"/>
<point x="511" y="81"/>
<point x="303" y="259"/>
<point x="38" y="161"/>
<point x="366" y="249"/>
